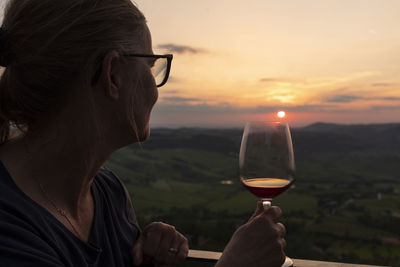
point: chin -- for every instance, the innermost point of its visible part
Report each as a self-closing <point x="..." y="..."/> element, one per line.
<point x="143" y="134"/>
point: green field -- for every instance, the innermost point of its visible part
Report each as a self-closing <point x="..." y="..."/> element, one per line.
<point x="345" y="205"/>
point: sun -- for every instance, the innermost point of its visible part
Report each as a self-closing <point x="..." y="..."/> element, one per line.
<point x="281" y="114"/>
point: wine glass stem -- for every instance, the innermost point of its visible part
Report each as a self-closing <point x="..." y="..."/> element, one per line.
<point x="266" y="203"/>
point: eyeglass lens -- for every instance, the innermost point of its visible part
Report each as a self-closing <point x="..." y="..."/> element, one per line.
<point x="159" y="70"/>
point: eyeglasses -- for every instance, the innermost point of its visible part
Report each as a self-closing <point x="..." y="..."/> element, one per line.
<point x="160" y="67"/>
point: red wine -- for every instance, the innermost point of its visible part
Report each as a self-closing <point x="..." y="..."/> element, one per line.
<point x="266" y="188"/>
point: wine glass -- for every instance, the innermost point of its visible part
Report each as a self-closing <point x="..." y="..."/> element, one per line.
<point x="266" y="161"/>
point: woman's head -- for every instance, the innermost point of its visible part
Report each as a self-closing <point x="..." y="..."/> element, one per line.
<point x="58" y="45"/>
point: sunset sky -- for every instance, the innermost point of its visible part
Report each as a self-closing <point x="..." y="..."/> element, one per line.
<point x="235" y="61"/>
<point x="331" y="60"/>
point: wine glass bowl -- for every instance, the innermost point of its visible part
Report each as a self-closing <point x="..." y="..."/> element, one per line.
<point x="266" y="159"/>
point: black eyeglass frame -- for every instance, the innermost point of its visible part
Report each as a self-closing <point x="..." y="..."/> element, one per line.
<point x="169" y="58"/>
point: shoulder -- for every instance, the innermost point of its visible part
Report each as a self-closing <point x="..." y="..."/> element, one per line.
<point x="108" y="179"/>
<point x="115" y="191"/>
<point x="110" y="187"/>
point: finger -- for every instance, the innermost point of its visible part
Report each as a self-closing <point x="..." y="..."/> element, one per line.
<point x="282" y="229"/>
<point x="281" y="259"/>
<point x="273" y="212"/>
<point x="163" y="255"/>
<point x="152" y="239"/>
<point x="258" y="211"/>
<point x="137" y="252"/>
<point x="283" y="243"/>
<point x="182" y="252"/>
<point x="172" y="249"/>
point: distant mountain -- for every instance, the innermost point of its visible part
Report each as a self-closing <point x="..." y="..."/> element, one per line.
<point x="368" y="136"/>
<point x="321" y="127"/>
<point x="353" y="128"/>
<point x="224" y="141"/>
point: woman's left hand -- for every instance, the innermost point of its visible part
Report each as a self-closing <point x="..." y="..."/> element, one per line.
<point x="160" y="244"/>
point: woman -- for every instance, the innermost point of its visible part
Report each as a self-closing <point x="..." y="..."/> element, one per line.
<point x="78" y="83"/>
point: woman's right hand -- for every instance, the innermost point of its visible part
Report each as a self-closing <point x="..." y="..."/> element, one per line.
<point x="257" y="243"/>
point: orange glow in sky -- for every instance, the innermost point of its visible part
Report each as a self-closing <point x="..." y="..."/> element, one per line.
<point x="329" y="61"/>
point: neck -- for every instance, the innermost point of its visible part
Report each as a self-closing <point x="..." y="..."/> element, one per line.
<point x="63" y="164"/>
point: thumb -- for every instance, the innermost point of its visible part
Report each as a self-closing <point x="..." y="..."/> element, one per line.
<point x="137" y="252"/>
<point x="258" y="211"/>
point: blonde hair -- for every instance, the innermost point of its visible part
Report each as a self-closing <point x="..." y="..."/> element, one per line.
<point x="55" y="44"/>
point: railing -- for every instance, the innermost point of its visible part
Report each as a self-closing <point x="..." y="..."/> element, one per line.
<point x="211" y="256"/>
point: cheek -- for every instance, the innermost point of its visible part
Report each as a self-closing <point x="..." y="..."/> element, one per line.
<point x="141" y="96"/>
<point x="150" y="91"/>
<point x="155" y="96"/>
<point x="145" y="96"/>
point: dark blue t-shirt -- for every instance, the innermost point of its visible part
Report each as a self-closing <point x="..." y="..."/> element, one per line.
<point x="30" y="236"/>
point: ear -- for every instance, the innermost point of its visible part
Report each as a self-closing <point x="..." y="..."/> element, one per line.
<point x="110" y="76"/>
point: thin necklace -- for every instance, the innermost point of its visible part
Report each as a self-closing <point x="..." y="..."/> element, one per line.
<point x="60" y="211"/>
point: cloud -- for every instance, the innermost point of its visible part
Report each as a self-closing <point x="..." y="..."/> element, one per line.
<point x="298" y="108"/>
<point x="221" y="108"/>
<point x="383" y="84"/>
<point x="180" y="99"/>
<point x="171" y="92"/>
<point x="180" y="49"/>
<point x="390" y="98"/>
<point x="279" y="80"/>
<point x="179" y="106"/>
<point x="343" y="99"/>
<point x="353" y="98"/>
<point x="383" y="108"/>
<point x="190" y="109"/>
<point x="269" y="80"/>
